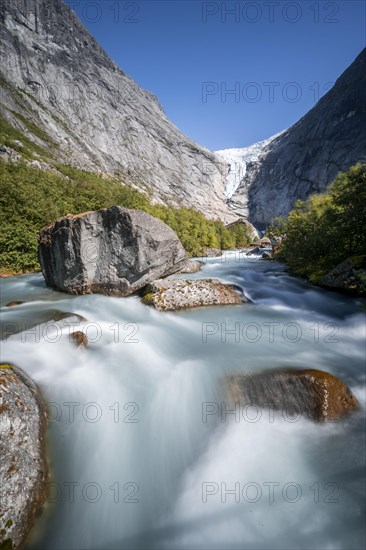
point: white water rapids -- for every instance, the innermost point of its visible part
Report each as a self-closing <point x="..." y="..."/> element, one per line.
<point x="141" y="452"/>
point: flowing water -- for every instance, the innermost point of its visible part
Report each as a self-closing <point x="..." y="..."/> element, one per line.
<point x="143" y="450"/>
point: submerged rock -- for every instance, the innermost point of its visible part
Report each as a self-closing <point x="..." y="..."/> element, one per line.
<point x="36" y="325"/>
<point x="79" y="339"/>
<point x="14" y="303"/>
<point x="112" y="251"/>
<point x="315" y="394"/>
<point x="348" y="276"/>
<point x="23" y="467"/>
<point x="175" y="294"/>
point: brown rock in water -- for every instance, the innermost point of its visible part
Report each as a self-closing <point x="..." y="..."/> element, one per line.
<point x="14" y="303"/>
<point x="172" y="294"/>
<point x="79" y="338"/>
<point x="23" y="467"/>
<point x="313" y="393"/>
<point x="113" y="251"/>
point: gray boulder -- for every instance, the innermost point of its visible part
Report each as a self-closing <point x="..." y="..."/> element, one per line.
<point x="192" y="266"/>
<point x="23" y="468"/>
<point x="112" y="251"/>
<point x="349" y="276"/>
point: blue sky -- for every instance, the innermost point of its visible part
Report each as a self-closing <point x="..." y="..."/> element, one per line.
<point x="277" y="57"/>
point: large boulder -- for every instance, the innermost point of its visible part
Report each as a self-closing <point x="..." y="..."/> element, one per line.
<point x="348" y="276"/>
<point x="172" y="294"/>
<point x="248" y="228"/>
<point x="315" y="394"/>
<point x="110" y="251"/>
<point x="23" y="468"/>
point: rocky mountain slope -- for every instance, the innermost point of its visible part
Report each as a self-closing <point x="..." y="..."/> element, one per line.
<point x="304" y="159"/>
<point x="63" y="92"/>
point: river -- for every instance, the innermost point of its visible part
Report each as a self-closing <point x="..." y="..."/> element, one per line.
<point x="143" y="450"/>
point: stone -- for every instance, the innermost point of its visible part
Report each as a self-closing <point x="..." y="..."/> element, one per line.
<point x="265" y="242"/>
<point x="114" y="251"/>
<point x="312" y="393"/>
<point x="192" y="266"/>
<point x="79" y="339"/>
<point x="212" y="252"/>
<point x="173" y="294"/>
<point x="247" y="226"/>
<point x="349" y="276"/>
<point x="267" y="256"/>
<point x="14" y="303"/>
<point x="23" y="467"/>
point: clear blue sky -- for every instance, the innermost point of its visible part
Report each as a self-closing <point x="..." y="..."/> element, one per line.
<point x="279" y="56"/>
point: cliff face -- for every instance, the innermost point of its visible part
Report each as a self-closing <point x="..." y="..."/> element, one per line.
<point x="55" y="77"/>
<point x="304" y="159"/>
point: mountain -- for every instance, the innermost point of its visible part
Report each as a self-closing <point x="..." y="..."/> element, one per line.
<point x="63" y="92"/>
<point x="304" y="159"/>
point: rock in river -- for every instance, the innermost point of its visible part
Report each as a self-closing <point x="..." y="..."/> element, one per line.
<point x="349" y="276"/>
<point x="23" y="468"/>
<point x="171" y="294"/>
<point x="315" y="394"/>
<point x="79" y="339"/>
<point x="110" y="251"/>
<point x="192" y="266"/>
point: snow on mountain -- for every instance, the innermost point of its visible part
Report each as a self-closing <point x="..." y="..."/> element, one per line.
<point x="238" y="159"/>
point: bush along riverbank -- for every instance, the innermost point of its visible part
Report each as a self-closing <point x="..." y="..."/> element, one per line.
<point x="31" y="198"/>
<point x="323" y="239"/>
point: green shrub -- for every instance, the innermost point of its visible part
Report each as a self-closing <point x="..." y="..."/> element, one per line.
<point x="326" y="229"/>
<point x="31" y="198"/>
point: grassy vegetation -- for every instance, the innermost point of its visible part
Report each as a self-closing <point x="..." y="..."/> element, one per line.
<point x="326" y="229"/>
<point x="9" y="134"/>
<point x="32" y="198"/>
<point x="35" y="130"/>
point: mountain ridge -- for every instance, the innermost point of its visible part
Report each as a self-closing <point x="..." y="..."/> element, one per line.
<point x="305" y="158"/>
<point x="57" y="77"/>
